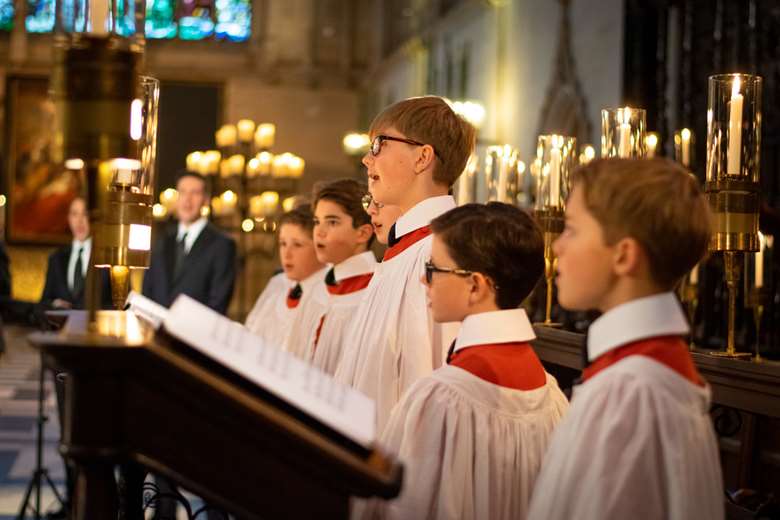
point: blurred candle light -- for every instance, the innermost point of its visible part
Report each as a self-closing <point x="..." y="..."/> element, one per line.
<point x="288" y="204"/>
<point x="355" y="144"/>
<point x="295" y="166"/>
<point x="265" y="135"/>
<point x="264" y="161"/>
<point x="587" y="155"/>
<point x="246" y="130"/>
<point x="236" y="164"/>
<point x="651" y="144"/>
<point x="193" y="161"/>
<point x="226" y="136"/>
<point x="685" y="147"/>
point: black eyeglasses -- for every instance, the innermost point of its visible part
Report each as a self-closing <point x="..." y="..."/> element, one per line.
<point x="376" y="144"/>
<point x="430" y="269"/>
<point x="367" y="200"/>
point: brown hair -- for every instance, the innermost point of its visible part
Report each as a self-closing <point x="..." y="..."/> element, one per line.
<point x="348" y="194"/>
<point x="430" y="120"/>
<point x="658" y="203"/>
<point x="499" y="240"/>
<point x="300" y="216"/>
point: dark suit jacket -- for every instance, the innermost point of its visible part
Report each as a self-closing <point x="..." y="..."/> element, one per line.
<point x="208" y="274"/>
<point x="57" y="282"/>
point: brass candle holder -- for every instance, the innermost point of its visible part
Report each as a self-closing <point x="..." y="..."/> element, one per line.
<point x="689" y="294"/>
<point x="732" y="178"/>
<point x="755" y="299"/>
<point x="106" y="121"/>
<point x="556" y="156"/>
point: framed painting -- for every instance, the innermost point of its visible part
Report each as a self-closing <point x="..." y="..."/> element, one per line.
<point x="39" y="191"/>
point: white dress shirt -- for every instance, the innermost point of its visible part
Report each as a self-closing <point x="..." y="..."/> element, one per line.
<point x="193" y="232"/>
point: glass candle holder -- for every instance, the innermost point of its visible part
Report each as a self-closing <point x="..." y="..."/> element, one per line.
<point x="684" y="146"/>
<point x="733" y="160"/>
<point x="501" y="173"/>
<point x="465" y="188"/>
<point x="623" y="132"/>
<point x="557" y="156"/>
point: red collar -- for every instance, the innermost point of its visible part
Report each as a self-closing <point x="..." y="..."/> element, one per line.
<point x="350" y="285"/>
<point x="667" y="350"/>
<point x="511" y="365"/>
<point x="406" y="241"/>
<point x="294" y="296"/>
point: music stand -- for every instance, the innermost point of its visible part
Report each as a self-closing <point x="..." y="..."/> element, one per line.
<point x="40" y="475"/>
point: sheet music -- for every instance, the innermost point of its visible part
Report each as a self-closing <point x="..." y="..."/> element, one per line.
<point x="342" y="408"/>
<point x="147" y="309"/>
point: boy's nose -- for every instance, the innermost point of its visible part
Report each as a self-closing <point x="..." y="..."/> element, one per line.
<point x="366" y="160"/>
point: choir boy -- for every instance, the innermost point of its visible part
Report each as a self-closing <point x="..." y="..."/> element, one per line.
<point x="383" y="216"/>
<point x="342" y="238"/>
<point x="419" y="148"/>
<point x="638" y="440"/>
<point x="472" y="434"/>
<point x="273" y="313"/>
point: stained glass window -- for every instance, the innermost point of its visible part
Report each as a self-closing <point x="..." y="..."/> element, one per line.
<point x="229" y="20"/>
<point x="6" y="15"/>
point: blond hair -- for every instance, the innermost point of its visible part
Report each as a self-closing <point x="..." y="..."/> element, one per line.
<point x="658" y="203"/>
<point x="430" y="120"/>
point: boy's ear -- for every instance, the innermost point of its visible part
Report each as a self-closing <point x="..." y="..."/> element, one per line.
<point x="629" y="257"/>
<point x="425" y="158"/>
<point x="364" y="233"/>
<point x="481" y="288"/>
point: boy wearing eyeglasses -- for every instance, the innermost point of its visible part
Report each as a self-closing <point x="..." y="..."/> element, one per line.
<point x="383" y="216"/>
<point x="638" y="441"/>
<point x="419" y="148"/>
<point x="472" y="434"/>
<point x="342" y="238"/>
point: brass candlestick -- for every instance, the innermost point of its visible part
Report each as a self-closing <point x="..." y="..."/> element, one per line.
<point x="556" y="157"/>
<point x="755" y="299"/>
<point x="732" y="178"/>
<point x="690" y="297"/>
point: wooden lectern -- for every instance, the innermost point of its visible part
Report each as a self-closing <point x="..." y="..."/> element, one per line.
<point x="136" y="397"/>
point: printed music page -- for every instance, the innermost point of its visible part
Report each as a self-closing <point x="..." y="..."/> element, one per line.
<point x="338" y="406"/>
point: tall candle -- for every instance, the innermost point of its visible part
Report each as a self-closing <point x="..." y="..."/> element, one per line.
<point x="685" y="147"/>
<point x="624" y="142"/>
<point x="759" y="277"/>
<point x="735" y="130"/>
<point x="555" y="174"/>
<point x="503" y="177"/>
<point x="651" y="143"/>
<point x="246" y="130"/>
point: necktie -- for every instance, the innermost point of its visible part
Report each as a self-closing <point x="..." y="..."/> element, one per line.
<point x="330" y="278"/>
<point x="391" y="240"/>
<point x="294" y="296"/>
<point x="450" y="352"/>
<point x="78" y="273"/>
<point x="181" y="254"/>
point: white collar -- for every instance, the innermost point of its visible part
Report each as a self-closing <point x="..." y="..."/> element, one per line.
<point x="488" y="328"/>
<point x="362" y="263"/>
<point x="422" y="213"/>
<point x="307" y="283"/>
<point x="86" y="244"/>
<point x="648" y="317"/>
<point x="192" y="230"/>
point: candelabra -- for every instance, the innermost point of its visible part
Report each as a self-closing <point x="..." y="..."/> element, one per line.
<point x="556" y="155"/>
<point x="623" y="132"/>
<point x="732" y="178"/>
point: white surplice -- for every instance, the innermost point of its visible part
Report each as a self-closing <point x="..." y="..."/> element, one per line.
<point x="338" y="313"/>
<point x="271" y="318"/>
<point x="638" y="441"/>
<point x="392" y="341"/>
<point x="471" y="449"/>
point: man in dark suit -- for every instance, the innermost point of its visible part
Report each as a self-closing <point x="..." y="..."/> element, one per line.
<point x="194" y="257"/>
<point x="67" y="270"/>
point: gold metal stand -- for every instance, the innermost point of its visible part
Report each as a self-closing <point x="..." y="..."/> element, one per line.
<point x="550" y="264"/>
<point x="690" y="297"/>
<point x="755" y="299"/>
<point x="758" y="312"/>
<point x="733" y="261"/>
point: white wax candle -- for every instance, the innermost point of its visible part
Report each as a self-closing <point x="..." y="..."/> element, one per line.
<point x="624" y="143"/>
<point x="759" y="278"/>
<point x="694" y="277"/>
<point x="555" y="176"/>
<point x="503" y="177"/>
<point x="735" y="130"/>
<point x="686" y="147"/>
<point x="123" y="177"/>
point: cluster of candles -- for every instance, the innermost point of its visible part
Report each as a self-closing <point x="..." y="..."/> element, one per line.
<point x="260" y="206"/>
<point x="263" y="163"/>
